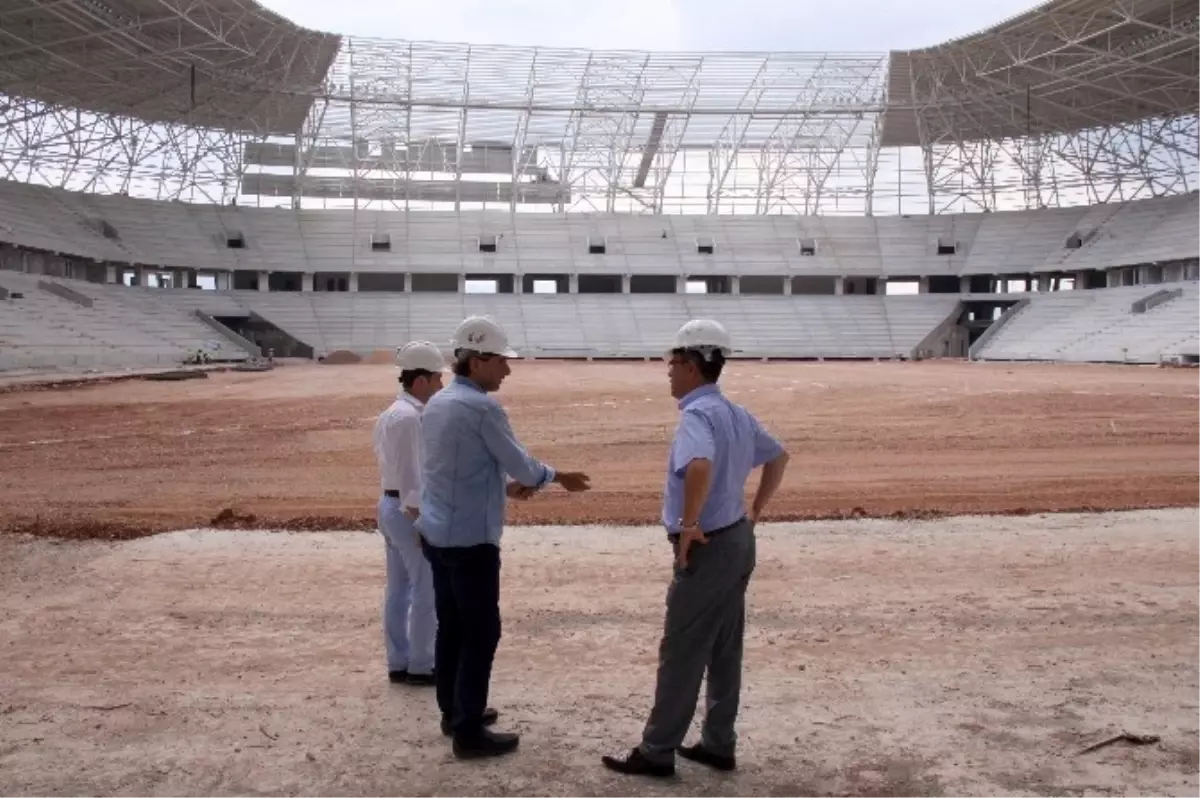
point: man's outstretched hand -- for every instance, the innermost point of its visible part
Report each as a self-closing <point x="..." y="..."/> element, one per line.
<point x="573" y="481"/>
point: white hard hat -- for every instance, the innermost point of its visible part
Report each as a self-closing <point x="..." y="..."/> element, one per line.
<point x="484" y="335"/>
<point x="420" y="355"/>
<point x="705" y="335"/>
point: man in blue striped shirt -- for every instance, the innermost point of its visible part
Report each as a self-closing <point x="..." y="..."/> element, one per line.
<point x="473" y="463"/>
<point x="717" y="444"/>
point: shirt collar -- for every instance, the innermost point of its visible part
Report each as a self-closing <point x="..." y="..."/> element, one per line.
<point x="412" y="400"/>
<point x="466" y="382"/>
<point x="696" y="393"/>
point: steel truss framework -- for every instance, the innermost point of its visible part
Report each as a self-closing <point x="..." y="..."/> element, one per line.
<point x="405" y="125"/>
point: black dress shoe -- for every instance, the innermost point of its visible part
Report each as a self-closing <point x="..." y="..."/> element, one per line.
<point x="490" y="716"/>
<point x="422" y="679"/>
<point x="487" y="743"/>
<point x="397" y="677"/>
<point x="637" y="765"/>
<point x="698" y="753"/>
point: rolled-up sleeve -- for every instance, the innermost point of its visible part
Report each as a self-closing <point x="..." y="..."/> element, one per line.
<point x="693" y="441"/>
<point x="502" y="444"/>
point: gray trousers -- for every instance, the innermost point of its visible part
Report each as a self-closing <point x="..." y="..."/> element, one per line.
<point x="703" y="630"/>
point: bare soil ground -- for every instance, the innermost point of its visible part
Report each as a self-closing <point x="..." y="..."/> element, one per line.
<point x="970" y="656"/>
<point x="291" y="448"/>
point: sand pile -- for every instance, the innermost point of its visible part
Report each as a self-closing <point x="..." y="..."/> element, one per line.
<point x="341" y="357"/>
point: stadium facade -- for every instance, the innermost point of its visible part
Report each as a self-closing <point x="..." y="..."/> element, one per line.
<point x="164" y="143"/>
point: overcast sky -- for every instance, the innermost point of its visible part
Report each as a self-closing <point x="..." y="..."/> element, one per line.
<point x="803" y="25"/>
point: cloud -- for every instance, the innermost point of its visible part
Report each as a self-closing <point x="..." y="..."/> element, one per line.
<point x="739" y="25"/>
<point x="610" y="24"/>
<point x="845" y="26"/>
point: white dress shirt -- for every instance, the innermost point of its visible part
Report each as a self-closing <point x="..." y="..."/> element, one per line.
<point x="399" y="449"/>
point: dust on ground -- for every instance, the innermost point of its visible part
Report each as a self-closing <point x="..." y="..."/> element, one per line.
<point x="291" y="447"/>
<point x="969" y="656"/>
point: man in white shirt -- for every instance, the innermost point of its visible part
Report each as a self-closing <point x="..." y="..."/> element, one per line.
<point x="409" y="619"/>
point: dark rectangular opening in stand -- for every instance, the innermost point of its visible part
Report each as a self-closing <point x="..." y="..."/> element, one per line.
<point x="765" y="284"/>
<point x="1075" y="241"/>
<point x="597" y="246"/>
<point x="808" y="247"/>
<point x="387" y="281"/>
<point x="331" y="281"/>
<point x="945" y="247"/>
<point x="285" y="281"/>
<point x="447" y="283"/>
<point x="813" y="284"/>
<point x="381" y="243"/>
<point x="599" y="283"/>
<point x="487" y="243"/>
<point x="944" y="284"/>
<point x="235" y="241"/>
<point x="652" y="284"/>
<point x="704" y="246"/>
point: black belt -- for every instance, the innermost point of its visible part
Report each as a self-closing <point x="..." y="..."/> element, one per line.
<point x="674" y="536"/>
<point x="392" y="494"/>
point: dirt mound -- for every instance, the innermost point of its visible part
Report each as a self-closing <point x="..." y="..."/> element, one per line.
<point x="341" y="357"/>
<point x="382" y="357"/>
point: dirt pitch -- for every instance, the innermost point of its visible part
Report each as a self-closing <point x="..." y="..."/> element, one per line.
<point x="893" y="656"/>
<point x="291" y="448"/>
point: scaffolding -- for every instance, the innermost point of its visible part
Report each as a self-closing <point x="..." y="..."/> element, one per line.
<point x="220" y="101"/>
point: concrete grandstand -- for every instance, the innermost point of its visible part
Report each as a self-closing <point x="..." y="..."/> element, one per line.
<point x="307" y="192"/>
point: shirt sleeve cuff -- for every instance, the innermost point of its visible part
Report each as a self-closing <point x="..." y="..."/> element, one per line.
<point x="413" y="499"/>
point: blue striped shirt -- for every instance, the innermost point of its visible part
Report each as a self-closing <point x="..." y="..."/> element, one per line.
<point x="713" y="428"/>
<point x="469" y="448"/>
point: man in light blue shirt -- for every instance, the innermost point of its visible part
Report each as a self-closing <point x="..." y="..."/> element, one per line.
<point x="717" y="444"/>
<point x="471" y="454"/>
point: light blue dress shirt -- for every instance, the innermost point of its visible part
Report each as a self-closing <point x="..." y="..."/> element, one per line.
<point x="469" y="448"/>
<point x="713" y="428"/>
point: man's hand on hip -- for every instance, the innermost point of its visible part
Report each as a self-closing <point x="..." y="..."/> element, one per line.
<point x="573" y="481"/>
<point x="688" y="536"/>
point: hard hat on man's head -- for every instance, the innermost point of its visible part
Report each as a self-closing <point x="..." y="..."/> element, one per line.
<point x="706" y="336"/>
<point x="420" y="356"/>
<point x="484" y="335"/>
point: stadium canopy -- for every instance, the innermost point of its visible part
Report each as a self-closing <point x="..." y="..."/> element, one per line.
<point x="1061" y="68"/>
<point x="1076" y="101"/>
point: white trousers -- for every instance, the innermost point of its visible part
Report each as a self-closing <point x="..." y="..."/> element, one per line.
<point x="409" y="616"/>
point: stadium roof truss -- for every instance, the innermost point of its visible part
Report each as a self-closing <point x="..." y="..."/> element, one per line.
<point x="220" y="100"/>
<point x="1097" y="98"/>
